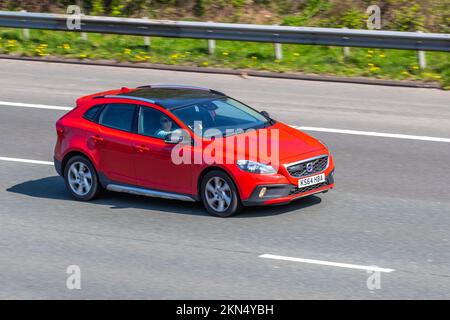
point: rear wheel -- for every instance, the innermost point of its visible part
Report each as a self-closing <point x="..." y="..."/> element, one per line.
<point x="219" y="194"/>
<point x="81" y="178"/>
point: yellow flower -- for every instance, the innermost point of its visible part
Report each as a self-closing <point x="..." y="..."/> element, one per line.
<point x="296" y="54"/>
<point x="174" y="56"/>
<point x="370" y="64"/>
<point x="83" y="55"/>
<point x="415" y="67"/>
<point x="382" y="55"/>
<point x="11" y="43"/>
<point x="205" y="63"/>
<point x="126" y="51"/>
<point x="373" y="69"/>
<point x="66" y="46"/>
<point x="225" y="53"/>
<point x="405" y="73"/>
<point x="369" y="56"/>
<point x="370" y="51"/>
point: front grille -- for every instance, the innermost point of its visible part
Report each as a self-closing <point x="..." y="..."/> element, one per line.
<point x="297" y="190"/>
<point x="308" y="167"/>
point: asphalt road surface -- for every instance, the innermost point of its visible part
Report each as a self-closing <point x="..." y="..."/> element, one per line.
<point x="390" y="207"/>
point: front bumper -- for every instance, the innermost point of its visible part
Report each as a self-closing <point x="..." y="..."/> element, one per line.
<point x="285" y="193"/>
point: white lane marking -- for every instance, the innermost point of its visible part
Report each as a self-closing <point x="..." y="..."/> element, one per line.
<point x="343" y="131"/>
<point x="26" y="160"/>
<point x="327" y="263"/>
<point x="30" y="105"/>
<point x="375" y="134"/>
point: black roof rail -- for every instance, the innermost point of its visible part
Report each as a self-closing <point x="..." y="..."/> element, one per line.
<point x="180" y="86"/>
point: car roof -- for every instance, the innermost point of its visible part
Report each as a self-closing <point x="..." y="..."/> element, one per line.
<point x="171" y="96"/>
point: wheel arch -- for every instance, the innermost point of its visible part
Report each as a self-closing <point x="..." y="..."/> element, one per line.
<point x="72" y="154"/>
<point x="206" y="170"/>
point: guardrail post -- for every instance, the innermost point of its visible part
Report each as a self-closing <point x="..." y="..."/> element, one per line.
<point x="25" y="32"/>
<point x="422" y="58"/>
<point x="84" y="35"/>
<point x="278" y="49"/>
<point x="211" y="45"/>
<point x="346" y="50"/>
<point x="147" y="40"/>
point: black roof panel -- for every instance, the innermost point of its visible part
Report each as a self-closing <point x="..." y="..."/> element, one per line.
<point x="170" y="98"/>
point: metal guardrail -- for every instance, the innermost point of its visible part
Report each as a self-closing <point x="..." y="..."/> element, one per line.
<point x="231" y="31"/>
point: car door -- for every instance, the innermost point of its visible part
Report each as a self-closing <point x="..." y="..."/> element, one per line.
<point x="155" y="168"/>
<point x="113" y="142"/>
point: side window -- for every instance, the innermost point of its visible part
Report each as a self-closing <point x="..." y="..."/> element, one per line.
<point x="154" y="123"/>
<point x="118" y="116"/>
<point x="91" y="114"/>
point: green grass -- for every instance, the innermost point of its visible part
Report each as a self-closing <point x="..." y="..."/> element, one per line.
<point x="378" y="63"/>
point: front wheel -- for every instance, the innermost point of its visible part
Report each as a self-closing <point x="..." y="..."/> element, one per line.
<point x="81" y="178"/>
<point x="219" y="194"/>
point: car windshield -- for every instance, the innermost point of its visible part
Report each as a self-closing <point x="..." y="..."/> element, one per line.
<point x="226" y="115"/>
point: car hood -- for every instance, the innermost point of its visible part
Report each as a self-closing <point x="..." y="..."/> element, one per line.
<point x="292" y="144"/>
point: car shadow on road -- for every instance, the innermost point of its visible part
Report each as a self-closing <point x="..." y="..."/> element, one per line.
<point x="54" y="188"/>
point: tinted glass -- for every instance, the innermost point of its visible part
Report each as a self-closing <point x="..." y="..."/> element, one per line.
<point x="92" y="113"/>
<point x="154" y="123"/>
<point x="221" y="114"/>
<point x="118" y="116"/>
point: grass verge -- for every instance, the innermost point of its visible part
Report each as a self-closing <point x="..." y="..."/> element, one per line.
<point x="377" y="63"/>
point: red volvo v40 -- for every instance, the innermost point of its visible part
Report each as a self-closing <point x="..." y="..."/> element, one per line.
<point x="187" y="143"/>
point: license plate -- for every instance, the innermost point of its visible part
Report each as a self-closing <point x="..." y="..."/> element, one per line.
<point x="310" y="181"/>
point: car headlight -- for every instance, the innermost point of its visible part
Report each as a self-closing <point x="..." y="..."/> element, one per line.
<point x="255" y="167"/>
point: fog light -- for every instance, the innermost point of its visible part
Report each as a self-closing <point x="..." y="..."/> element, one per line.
<point x="262" y="192"/>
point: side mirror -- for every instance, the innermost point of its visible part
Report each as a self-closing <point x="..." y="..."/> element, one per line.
<point x="178" y="136"/>
<point x="265" y="114"/>
<point x="172" y="138"/>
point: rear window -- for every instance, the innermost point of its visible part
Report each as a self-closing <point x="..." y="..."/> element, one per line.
<point x="118" y="116"/>
<point x="91" y="114"/>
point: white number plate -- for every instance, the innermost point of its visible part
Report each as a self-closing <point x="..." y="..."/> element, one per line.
<point x="305" y="182"/>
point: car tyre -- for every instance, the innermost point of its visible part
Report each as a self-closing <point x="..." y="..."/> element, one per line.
<point x="219" y="194"/>
<point x="81" y="179"/>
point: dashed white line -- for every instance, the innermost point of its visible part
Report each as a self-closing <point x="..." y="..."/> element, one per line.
<point x="375" y="134"/>
<point x="342" y="131"/>
<point x="31" y="105"/>
<point x="327" y="263"/>
<point x="26" y="160"/>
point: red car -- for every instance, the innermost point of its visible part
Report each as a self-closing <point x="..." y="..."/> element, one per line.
<point x="175" y="142"/>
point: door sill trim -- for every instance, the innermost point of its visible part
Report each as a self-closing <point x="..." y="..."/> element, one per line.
<point x="149" y="192"/>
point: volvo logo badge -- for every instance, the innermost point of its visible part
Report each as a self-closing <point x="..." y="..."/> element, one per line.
<point x="309" y="167"/>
